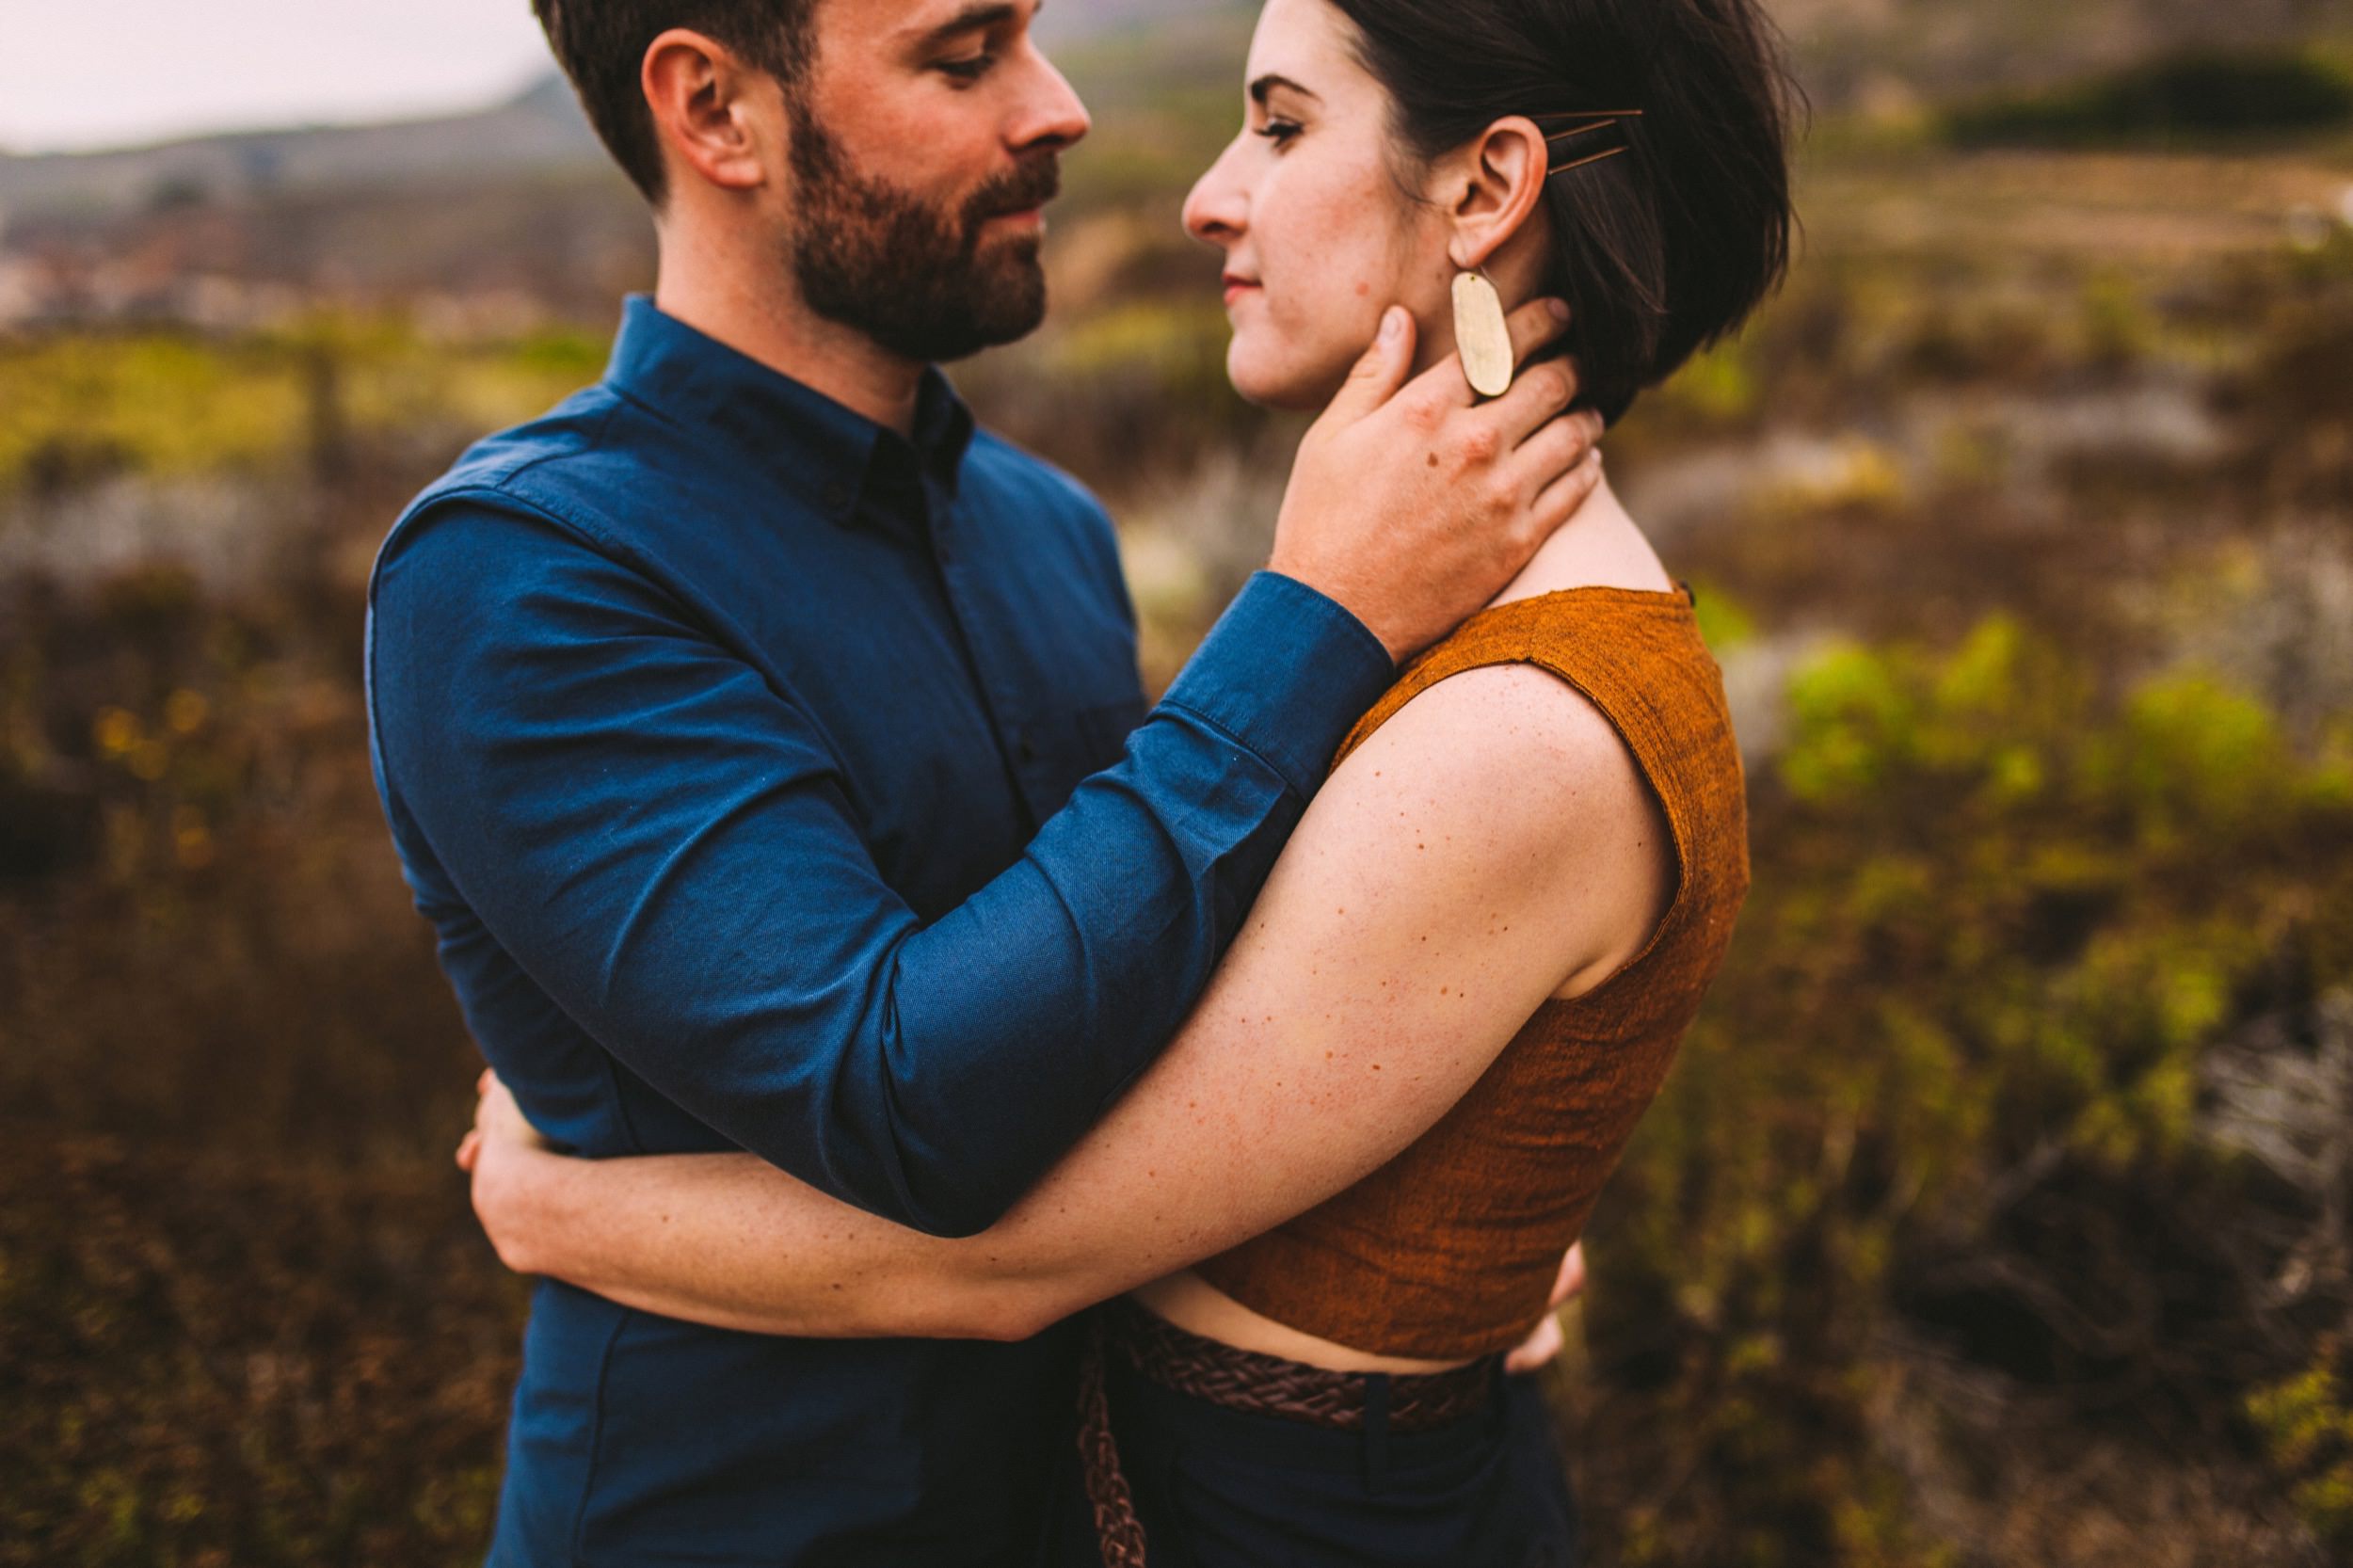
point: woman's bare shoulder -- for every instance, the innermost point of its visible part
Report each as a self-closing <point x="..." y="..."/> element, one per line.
<point x="1516" y="776"/>
<point x="1513" y="735"/>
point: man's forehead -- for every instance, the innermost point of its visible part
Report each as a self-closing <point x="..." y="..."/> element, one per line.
<point x="903" y="22"/>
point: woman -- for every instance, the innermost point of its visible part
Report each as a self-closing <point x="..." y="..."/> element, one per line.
<point x="1469" y="974"/>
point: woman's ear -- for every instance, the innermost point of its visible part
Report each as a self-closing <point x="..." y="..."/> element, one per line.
<point x="1492" y="187"/>
<point x="705" y="120"/>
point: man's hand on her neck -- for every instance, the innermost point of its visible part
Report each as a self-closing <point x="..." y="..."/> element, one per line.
<point x="1413" y="504"/>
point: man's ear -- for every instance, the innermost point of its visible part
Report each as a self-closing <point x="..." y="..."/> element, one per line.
<point x="705" y="110"/>
<point x="1492" y="187"/>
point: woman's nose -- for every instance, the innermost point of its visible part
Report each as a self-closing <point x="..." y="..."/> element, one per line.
<point x="1218" y="208"/>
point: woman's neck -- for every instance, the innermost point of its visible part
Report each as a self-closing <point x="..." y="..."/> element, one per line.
<point x="1602" y="546"/>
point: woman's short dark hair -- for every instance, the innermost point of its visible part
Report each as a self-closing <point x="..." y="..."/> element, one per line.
<point x="1664" y="248"/>
<point x="602" y="45"/>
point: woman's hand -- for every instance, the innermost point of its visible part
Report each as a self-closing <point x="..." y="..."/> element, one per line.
<point x="1543" y="1347"/>
<point x="501" y="1154"/>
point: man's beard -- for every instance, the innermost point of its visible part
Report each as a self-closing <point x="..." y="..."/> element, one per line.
<point x="912" y="277"/>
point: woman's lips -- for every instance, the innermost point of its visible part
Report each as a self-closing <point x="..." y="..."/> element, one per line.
<point x="1237" y="287"/>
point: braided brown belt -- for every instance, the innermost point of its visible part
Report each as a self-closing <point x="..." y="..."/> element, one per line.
<point x="1116" y="1527"/>
<point x="1237" y="1379"/>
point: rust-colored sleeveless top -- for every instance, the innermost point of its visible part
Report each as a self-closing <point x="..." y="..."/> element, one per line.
<point x="1450" y="1249"/>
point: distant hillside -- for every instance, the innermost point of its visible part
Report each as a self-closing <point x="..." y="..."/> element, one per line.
<point x="540" y="132"/>
<point x="1851" y="51"/>
<point x="1938" y="48"/>
<point x="519" y="197"/>
<point x="543" y="132"/>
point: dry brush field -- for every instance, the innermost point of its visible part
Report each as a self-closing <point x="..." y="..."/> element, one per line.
<point x="1997" y="1213"/>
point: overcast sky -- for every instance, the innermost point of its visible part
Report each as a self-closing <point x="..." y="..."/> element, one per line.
<point x="85" y="74"/>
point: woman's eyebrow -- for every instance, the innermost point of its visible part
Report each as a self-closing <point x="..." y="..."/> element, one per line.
<point x="1267" y="84"/>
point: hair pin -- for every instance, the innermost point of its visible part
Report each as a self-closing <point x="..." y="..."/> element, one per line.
<point x="1593" y="121"/>
<point x="1580" y="162"/>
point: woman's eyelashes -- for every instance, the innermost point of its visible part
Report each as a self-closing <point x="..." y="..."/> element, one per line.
<point x="1280" y="131"/>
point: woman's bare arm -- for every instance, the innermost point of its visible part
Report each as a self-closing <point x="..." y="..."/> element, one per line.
<point x="1487" y="847"/>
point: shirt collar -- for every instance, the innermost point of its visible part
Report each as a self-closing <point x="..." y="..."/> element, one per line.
<point x="830" y="455"/>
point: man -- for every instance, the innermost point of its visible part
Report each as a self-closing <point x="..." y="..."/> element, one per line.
<point x="751" y="729"/>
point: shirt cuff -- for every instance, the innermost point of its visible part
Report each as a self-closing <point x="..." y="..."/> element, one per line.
<point x="1287" y="672"/>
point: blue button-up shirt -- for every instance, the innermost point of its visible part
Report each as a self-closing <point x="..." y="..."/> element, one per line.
<point x="777" y="783"/>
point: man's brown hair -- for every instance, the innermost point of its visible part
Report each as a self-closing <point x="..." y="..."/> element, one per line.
<point x="602" y="45"/>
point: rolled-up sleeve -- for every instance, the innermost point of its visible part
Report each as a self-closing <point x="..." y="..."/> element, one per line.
<point x="663" y="841"/>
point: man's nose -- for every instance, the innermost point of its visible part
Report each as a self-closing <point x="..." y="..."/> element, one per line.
<point x="1052" y="117"/>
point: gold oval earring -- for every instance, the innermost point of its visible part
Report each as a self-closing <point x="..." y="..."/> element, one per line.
<point x="1482" y="335"/>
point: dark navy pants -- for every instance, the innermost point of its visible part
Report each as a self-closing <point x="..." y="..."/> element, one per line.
<point x="1218" y="1488"/>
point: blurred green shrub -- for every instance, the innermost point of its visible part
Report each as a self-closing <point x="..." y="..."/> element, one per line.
<point x="84" y="407"/>
<point x="2194" y="94"/>
<point x="2307" y="1424"/>
<point x="75" y="407"/>
<point x="2000" y="919"/>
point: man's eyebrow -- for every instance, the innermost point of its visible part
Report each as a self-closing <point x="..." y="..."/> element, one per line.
<point x="1267" y="84"/>
<point x="975" y="18"/>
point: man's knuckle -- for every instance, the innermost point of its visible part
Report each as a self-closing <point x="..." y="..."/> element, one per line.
<point x="1478" y="446"/>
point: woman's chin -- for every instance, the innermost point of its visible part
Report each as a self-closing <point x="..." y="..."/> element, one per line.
<point x="1282" y="388"/>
